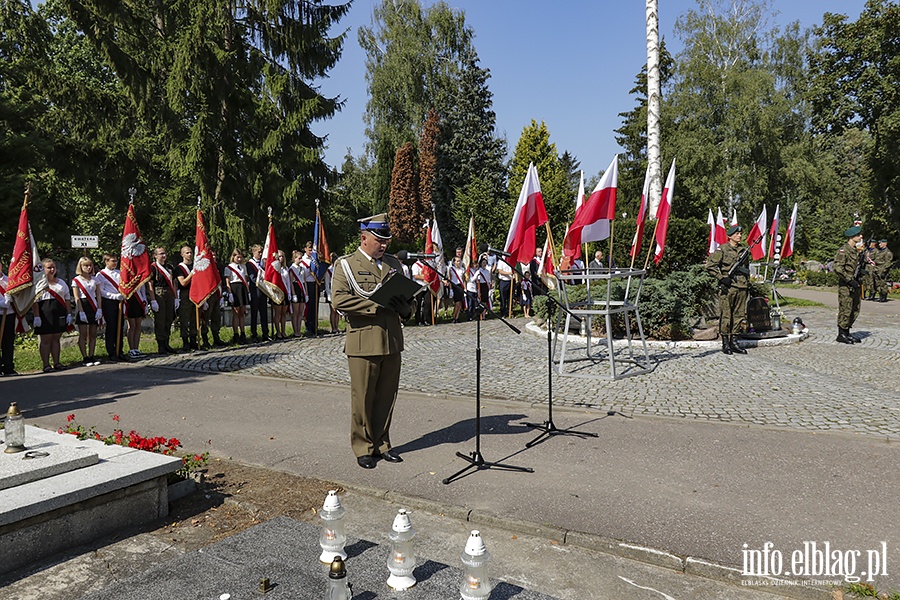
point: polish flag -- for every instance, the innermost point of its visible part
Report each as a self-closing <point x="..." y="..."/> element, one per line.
<point x="787" y="248"/>
<point x="269" y="280"/>
<point x="757" y="236"/>
<point x="713" y="244"/>
<point x="774" y="232"/>
<point x="431" y="277"/>
<point x="592" y="219"/>
<point x="721" y="233"/>
<point x="206" y="277"/>
<point x="579" y="202"/>
<point x="546" y="269"/>
<point x="663" y="212"/>
<point x="733" y="217"/>
<point x="638" y="240"/>
<point x="135" y="263"/>
<point x="529" y="214"/>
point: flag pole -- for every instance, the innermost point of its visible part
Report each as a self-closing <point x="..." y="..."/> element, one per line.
<point x="612" y="231"/>
<point x="647" y="261"/>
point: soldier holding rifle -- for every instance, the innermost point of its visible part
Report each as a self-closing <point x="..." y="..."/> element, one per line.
<point x="728" y="264"/>
<point x="849" y="266"/>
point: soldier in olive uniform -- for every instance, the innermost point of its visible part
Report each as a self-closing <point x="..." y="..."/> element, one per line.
<point x="374" y="340"/>
<point x="733" y="296"/>
<point x="868" y="280"/>
<point x="884" y="258"/>
<point x="849" y="290"/>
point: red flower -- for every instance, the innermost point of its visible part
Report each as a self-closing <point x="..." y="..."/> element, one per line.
<point x="70" y="418"/>
<point x="116" y="418"/>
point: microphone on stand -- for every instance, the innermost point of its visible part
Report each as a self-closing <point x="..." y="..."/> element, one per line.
<point x="404" y="255"/>
<point x="485" y="249"/>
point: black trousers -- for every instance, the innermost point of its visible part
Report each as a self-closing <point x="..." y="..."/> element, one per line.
<point x="505" y="287"/>
<point x="114" y="326"/>
<point x="312" y="308"/>
<point x="259" y="311"/>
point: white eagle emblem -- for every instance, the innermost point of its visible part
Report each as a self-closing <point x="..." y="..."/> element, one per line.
<point x="132" y="246"/>
<point x="201" y="263"/>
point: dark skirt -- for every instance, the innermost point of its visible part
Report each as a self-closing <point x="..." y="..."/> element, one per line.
<point x="297" y="290"/>
<point x="53" y="317"/>
<point x="134" y="309"/>
<point x="458" y="294"/>
<point x="240" y="294"/>
<point x="90" y="313"/>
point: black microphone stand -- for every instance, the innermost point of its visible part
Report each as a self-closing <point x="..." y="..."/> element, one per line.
<point x="548" y="428"/>
<point x="476" y="459"/>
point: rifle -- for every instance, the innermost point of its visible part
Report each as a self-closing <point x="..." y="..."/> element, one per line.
<point x="742" y="257"/>
<point x="860" y="269"/>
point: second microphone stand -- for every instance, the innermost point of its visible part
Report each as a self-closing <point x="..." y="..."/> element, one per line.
<point x="548" y="427"/>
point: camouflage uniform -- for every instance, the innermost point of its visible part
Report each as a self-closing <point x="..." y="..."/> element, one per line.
<point x="733" y="297"/>
<point x="849" y="290"/>
<point x="884" y="258"/>
<point x="868" y="280"/>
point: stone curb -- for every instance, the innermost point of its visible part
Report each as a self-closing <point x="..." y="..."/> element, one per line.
<point x="688" y="565"/>
<point x="790" y="338"/>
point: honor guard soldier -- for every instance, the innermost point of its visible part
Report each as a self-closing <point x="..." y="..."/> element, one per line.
<point x="884" y="259"/>
<point x="162" y="299"/>
<point x="726" y="264"/>
<point x="374" y="340"/>
<point x="868" y="279"/>
<point x="848" y="265"/>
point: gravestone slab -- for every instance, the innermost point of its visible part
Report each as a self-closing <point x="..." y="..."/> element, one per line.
<point x="17" y="469"/>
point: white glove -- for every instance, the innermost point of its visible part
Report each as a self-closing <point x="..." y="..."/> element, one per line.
<point x="154" y="306"/>
<point x="222" y="302"/>
<point x="177" y="303"/>
<point x="98" y="315"/>
<point x="230" y="298"/>
<point x="69" y="319"/>
<point x="37" y="322"/>
<point x="205" y="306"/>
<point x="294" y="299"/>
<point x="118" y="297"/>
<point x="82" y="317"/>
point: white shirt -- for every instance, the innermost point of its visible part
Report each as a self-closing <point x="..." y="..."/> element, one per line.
<point x="90" y="285"/>
<point x="418" y="271"/>
<point x="59" y="287"/>
<point x="504" y="271"/>
<point x="306" y="263"/>
<point x="107" y="289"/>
<point x="232" y="276"/>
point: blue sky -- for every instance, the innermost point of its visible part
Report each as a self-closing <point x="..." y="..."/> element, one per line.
<point x="569" y="63"/>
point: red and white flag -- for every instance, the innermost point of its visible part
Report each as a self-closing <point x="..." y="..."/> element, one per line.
<point x="733" y="217"/>
<point x="269" y="280"/>
<point x="135" y="263"/>
<point x="758" y="232"/>
<point x="638" y="241"/>
<point x="470" y="252"/>
<point x="713" y="244"/>
<point x="592" y="220"/>
<point x="663" y="212"/>
<point x="431" y="277"/>
<point x="528" y="215"/>
<point x="27" y="279"/>
<point x="774" y="232"/>
<point x="721" y="232"/>
<point x="546" y="270"/>
<point x="206" y="277"/>
<point x="787" y="248"/>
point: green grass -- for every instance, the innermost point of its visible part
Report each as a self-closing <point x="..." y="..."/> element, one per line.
<point x="27" y="358"/>
<point x="789" y="301"/>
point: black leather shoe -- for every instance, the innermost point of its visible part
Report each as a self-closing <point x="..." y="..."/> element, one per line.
<point x="366" y="462"/>
<point x="391" y="456"/>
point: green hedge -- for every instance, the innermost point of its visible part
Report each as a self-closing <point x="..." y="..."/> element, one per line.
<point x="669" y="307"/>
<point x="818" y="278"/>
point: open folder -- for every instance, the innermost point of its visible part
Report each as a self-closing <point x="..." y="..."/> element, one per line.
<point x="395" y="286"/>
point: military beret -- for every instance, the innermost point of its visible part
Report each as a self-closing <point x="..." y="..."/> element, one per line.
<point x="734" y="229"/>
<point x="377" y="225"/>
<point x="882" y="241"/>
<point x="853" y="231"/>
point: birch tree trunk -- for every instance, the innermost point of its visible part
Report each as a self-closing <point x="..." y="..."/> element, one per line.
<point x="653" y="96"/>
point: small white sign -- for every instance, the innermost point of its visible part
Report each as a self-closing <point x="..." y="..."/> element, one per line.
<point x="85" y="241"/>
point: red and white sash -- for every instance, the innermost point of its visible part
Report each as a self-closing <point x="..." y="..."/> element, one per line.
<point x="239" y="276"/>
<point x="111" y="280"/>
<point x="296" y="279"/>
<point x="58" y="298"/>
<point x="165" y="273"/>
<point x="86" y="294"/>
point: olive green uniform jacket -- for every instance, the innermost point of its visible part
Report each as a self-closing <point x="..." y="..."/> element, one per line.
<point x="733" y="299"/>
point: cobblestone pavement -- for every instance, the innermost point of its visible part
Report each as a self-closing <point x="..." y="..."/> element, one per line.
<point x="817" y="384"/>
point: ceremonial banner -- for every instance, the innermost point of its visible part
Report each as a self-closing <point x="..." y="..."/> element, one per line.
<point x="470" y="252"/>
<point x="27" y="279"/>
<point x="528" y="215"/>
<point x="787" y="248"/>
<point x="432" y="280"/>
<point x="135" y="263"/>
<point x="269" y="280"/>
<point x="663" y="212"/>
<point x="758" y="232"/>
<point x="206" y="277"/>
<point x="321" y="255"/>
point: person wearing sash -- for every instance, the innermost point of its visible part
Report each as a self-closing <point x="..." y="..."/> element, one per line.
<point x="527" y="293"/>
<point x="238" y="293"/>
<point x="51" y="317"/>
<point x="187" y="312"/>
<point x="457" y="276"/>
<point x="135" y="311"/>
<point x="334" y="317"/>
<point x="7" y="327"/>
<point x="163" y="300"/>
<point x="86" y="293"/>
<point x="504" y="278"/>
<point x="471" y="289"/>
<point x="423" y="301"/>
<point x="312" y="293"/>
<point x="258" y="305"/>
<point x="484" y="282"/>
<point x="280" y="309"/>
<point x="211" y="310"/>
<point x="297" y="276"/>
<point x="373" y="343"/>
<point x="111" y="303"/>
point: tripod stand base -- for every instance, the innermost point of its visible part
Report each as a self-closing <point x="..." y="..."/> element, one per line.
<point x="549" y="430"/>
<point x="476" y="461"/>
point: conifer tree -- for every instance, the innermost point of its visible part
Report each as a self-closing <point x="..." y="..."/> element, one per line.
<point x="404" y="210"/>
